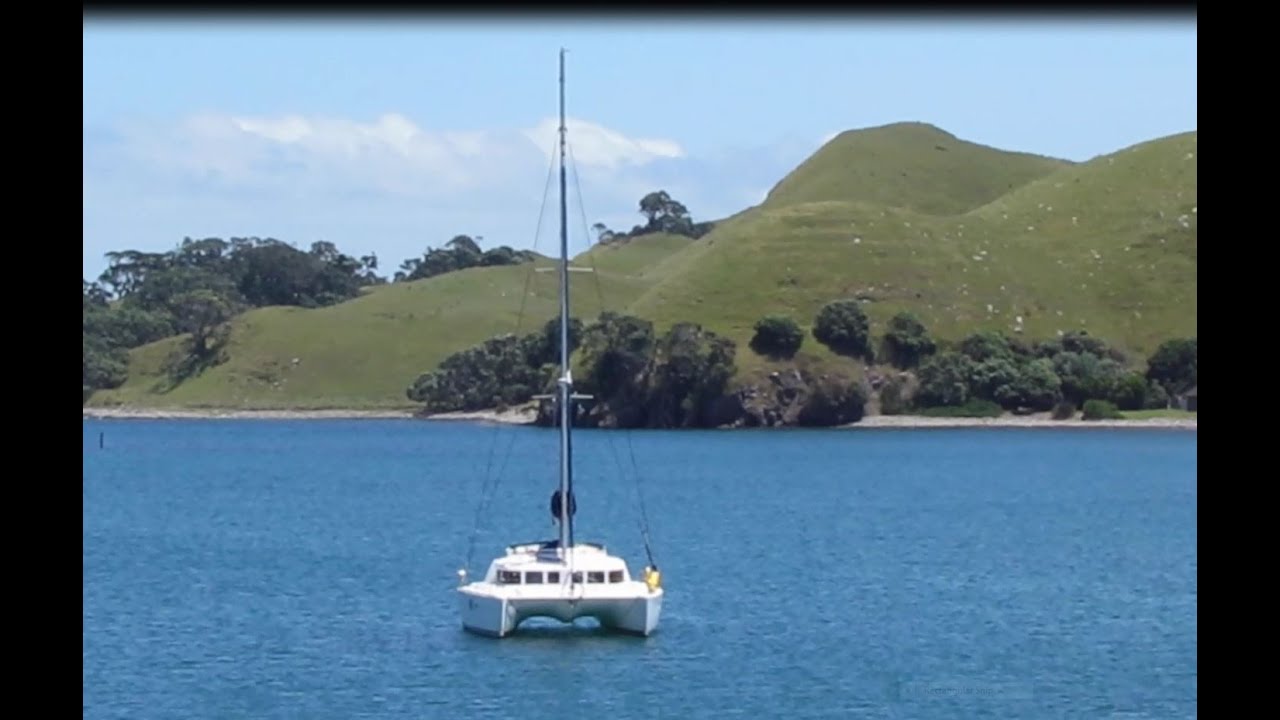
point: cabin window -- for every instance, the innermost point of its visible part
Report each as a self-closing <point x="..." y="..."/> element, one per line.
<point x="508" y="577"/>
<point x="533" y="578"/>
<point x="615" y="576"/>
<point x="577" y="577"/>
<point x="595" y="577"/>
<point x="553" y="578"/>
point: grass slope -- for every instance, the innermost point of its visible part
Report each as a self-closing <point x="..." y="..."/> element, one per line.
<point x="913" y="166"/>
<point x="1108" y="246"/>
<point x="364" y="353"/>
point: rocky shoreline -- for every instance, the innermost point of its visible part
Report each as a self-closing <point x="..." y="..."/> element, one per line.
<point x="527" y="416"/>
<point x="1015" y="421"/>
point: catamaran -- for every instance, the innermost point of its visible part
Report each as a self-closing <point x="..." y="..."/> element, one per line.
<point x="561" y="579"/>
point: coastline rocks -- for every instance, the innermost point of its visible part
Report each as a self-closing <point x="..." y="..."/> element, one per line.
<point x="789" y="398"/>
<point x="792" y="399"/>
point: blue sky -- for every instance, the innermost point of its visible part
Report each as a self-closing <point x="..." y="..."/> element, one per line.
<point x="390" y="136"/>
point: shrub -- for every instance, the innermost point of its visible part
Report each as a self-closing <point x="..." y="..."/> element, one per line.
<point x="1064" y="410"/>
<point x="945" y="380"/>
<point x="1173" y="365"/>
<point x="833" y="402"/>
<point x="992" y="375"/>
<point x="1157" y="398"/>
<point x="842" y="326"/>
<point x="906" y="342"/>
<point x="1101" y="410"/>
<point x="777" y="336"/>
<point x="986" y="345"/>
<point x="1086" y="376"/>
<point x="1036" y="387"/>
<point x="1130" y="392"/>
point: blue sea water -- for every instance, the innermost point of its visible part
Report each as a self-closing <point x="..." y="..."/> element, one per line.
<point x="280" y="569"/>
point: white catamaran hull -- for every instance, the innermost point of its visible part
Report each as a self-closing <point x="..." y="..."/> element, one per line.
<point x="499" y="616"/>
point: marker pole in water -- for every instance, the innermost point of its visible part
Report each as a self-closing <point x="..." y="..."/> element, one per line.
<point x="100" y="440"/>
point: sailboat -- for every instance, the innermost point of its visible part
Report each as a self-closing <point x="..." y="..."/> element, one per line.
<point x="561" y="579"/>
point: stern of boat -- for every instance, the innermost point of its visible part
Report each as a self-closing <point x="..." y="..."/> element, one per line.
<point x="640" y="616"/>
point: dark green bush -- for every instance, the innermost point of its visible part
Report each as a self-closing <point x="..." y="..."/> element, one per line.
<point x="843" y="327"/>
<point x="1064" y="410"/>
<point x="906" y="342"/>
<point x="1101" y="410"/>
<point x="777" y="336"/>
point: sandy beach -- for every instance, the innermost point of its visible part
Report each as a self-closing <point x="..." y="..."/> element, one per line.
<point x="525" y="416"/>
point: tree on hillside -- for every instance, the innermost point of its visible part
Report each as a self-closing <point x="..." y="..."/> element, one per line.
<point x="604" y="235"/>
<point x="843" y="327"/>
<point x="94" y="295"/>
<point x="192" y="287"/>
<point x="691" y="367"/>
<point x="987" y="344"/>
<point x="1130" y="391"/>
<point x="616" y="352"/>
<point x="127" y="326"/>
<point x="662" y="211"/>
<point x="906" y="342"/>
<point x="945" y="380"/>
<point x="1085" y="376"/>
<point x="833" y="402"/>
<point x="369" y="270"/>
<point x="544" y="348"/>
<point x="263" y="271"/>
<point x="128" y="269"/>
<point x="274" y="273"/>
<point x="1173" y="365"/>
<point x="495" y="372"/>
<point x="1034" y="386"/>
<point x="202" y="313"/>
<point x="777" y="336"/>
<point x="103" y="365"/>
<point x="1080" y="342"/>
<point x="464" y="243"/>
<point x="208" y="254"/>
<point x="663" y="214"/>
<point x="459" y="253"/>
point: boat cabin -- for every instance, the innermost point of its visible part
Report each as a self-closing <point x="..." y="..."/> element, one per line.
<point x="541" y="564"/>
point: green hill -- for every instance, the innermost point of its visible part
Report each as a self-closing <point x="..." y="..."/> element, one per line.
<point x="364" y="353"/>
<point x="904" y="216"/>
<point x="1108" y="246"/>
<point x="913" y="166"/>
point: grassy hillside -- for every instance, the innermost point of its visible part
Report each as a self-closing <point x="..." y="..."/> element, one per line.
<point x="1108" y="246"/>
<point x="365" y="352"/>
<point x="913" y="166"/>
<point x="905" y="216"/>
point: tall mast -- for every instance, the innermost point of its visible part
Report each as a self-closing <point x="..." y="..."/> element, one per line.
<point x="566" y="381"/>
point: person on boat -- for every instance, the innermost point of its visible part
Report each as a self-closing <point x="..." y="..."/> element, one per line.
<point x="652" y="577"/>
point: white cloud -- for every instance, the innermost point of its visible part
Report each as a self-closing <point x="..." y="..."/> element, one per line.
<point x="390" y="153"/>
<point x="599" y="147"/>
